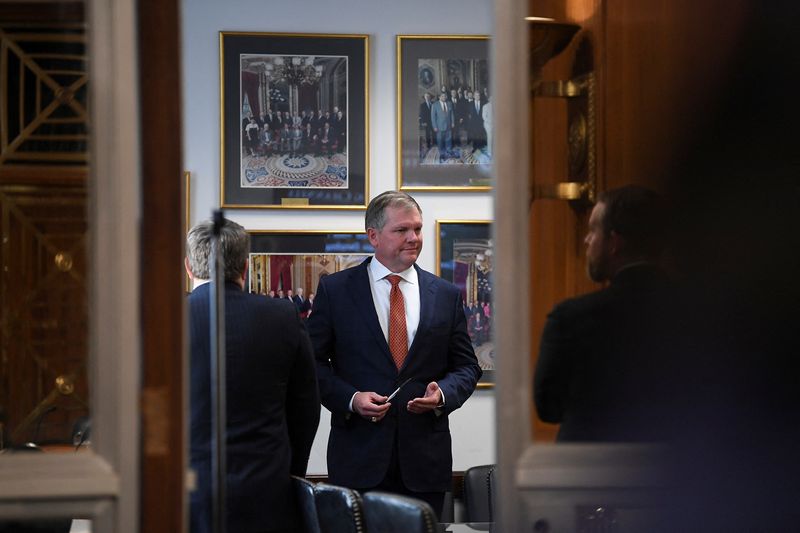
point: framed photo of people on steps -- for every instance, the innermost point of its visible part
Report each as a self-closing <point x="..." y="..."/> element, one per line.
<point x="294" y="120"/>
<point x="444" y="113"/>
<point x="465" y="257"/>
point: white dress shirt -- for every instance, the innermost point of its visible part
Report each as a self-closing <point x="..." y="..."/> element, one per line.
<point x="381" y="288"/>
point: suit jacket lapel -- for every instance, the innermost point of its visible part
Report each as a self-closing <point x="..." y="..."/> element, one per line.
<point x="427" y="291"/>
<point x="361" y="293"/>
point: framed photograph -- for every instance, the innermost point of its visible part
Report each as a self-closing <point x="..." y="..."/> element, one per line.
<point x="289" y="264"/>
<point x="464" y="256"/>
<point x="294" y="120"/>
<point x="444" y="113"/>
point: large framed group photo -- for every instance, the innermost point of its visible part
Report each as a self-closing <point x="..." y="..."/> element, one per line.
<point x="444" y="107"/>
<point x="294" y="120"/>
<point x="465" y="257"/>
<point x="289" y="264"/>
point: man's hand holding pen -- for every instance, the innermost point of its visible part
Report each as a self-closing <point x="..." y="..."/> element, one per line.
<point x="377" y="399"/>
<point x="371" y="405"/>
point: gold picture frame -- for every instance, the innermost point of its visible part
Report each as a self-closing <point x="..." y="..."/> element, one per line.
<point x="456" y="158"/>
<point x="292" y="161"/>
<point x="464" y="257"/>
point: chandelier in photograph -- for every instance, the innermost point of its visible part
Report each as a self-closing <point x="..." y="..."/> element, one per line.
<point x="294" y="70"/>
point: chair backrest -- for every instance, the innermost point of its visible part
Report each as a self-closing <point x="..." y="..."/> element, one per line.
<point x="478" y="493"/>
<point x="448" y="508"/>
<point x="339" y="509"/>
<point x="491" y="482"/>
<point x="392" y="513"/>
<point x="306" y="502"/>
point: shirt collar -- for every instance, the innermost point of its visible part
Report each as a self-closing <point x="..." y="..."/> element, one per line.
<point x="198" y="282"/>
<point x="379" y="272"/>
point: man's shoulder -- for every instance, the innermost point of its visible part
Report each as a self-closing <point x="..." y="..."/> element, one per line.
<point x="438" y="282"/>
<point x="198" y="292"/>
<point x="585" y="303"/>
<point x="267" y="304"/>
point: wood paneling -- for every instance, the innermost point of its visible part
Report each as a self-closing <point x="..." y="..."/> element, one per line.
<point x="663" y="66"/>
<point x="38" y="12"/>
<point x="659" y="66"/>
<point x="43" y="311"/>
<point x="556" y="227"/>
<point x="43" y="221"/>
<point x="43" y="93"/>
<point x="163" y="406"/>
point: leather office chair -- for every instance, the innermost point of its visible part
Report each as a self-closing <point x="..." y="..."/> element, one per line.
<point x="478" y="498"/>
<point x="306" y="503"/>
<point x="392" y="513"/>
<point x="492" y="484"/>
<point x="448" y="508"/>
<point x="339" y="509"/>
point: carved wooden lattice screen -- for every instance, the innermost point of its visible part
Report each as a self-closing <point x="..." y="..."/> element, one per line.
<point x="43" y="222"/>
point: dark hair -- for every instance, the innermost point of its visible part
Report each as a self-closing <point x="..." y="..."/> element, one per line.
<point x="375" y="216"/>
<point x="637" y="214"/>
<point x="235" y="249"/>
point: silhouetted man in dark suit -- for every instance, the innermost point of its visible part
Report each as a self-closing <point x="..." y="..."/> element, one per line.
<point x="475" y="129"/>
<point x="301" y="302"/>
<point x="340" y="127"/>
<point x="604" y="361"/>
<point x="277" y="124"/>
<point x="460" y="110"/>
<point x="425" y="120"/>
<point x="272" y="395"/>
<point x="269" y="120"/>
<point x="318" y="121"/>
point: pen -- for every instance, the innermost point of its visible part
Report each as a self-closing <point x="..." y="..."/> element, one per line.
<point x="392" y="395"/>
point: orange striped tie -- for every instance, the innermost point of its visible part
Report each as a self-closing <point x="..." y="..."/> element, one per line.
<point x="398" y="334"/>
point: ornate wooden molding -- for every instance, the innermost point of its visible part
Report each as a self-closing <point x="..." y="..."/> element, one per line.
<point x="43" y="98"/>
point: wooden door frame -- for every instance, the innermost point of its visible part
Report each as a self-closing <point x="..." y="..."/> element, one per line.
<point x="163" y="399"/>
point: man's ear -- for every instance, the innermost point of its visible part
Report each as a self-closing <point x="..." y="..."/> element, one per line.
<point x="372" y="233"/>
<point x="188" y="268"/>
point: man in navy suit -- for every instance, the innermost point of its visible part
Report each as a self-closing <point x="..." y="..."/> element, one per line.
<point x="366" y="346"/>
<point x="272" y="395"/>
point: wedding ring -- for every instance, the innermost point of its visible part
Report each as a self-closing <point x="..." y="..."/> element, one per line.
<point x="374" y="419"/>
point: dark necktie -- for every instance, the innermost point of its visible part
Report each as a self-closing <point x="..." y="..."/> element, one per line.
<point x="398" y="334"/>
